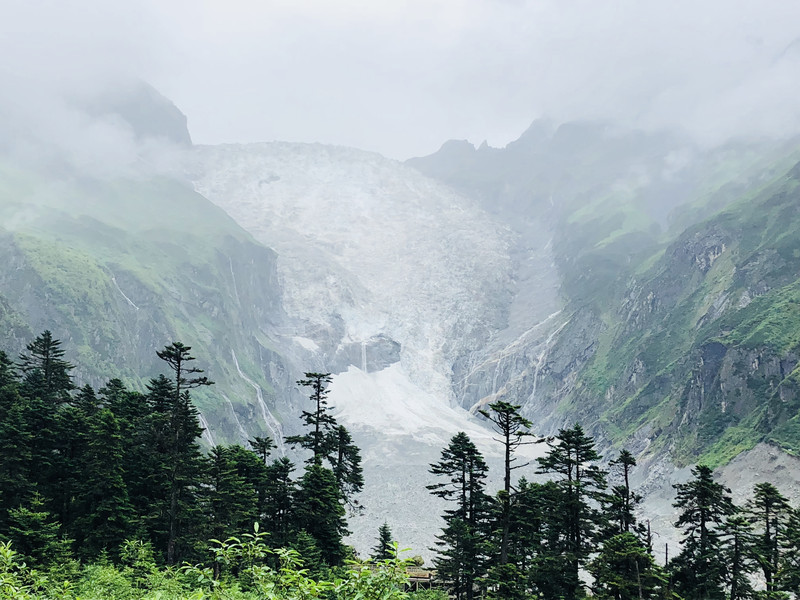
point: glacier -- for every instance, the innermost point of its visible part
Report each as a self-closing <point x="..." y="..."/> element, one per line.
<point x="409" y="292"/>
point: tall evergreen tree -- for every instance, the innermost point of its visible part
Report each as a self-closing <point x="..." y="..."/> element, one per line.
<point x="700" y="570"/>
<point x="104" y="515"/>
<point x="738" y="552"/>
<point x="345" y="461"/>
<point x="384" y="549"/>
<point x="320" y="513"/>
<point x="461" y="559"/>
<point x="581" y="482"/>
<point x="45" y="372"/>
<point x="513" y="430"/>
<point x="768" y="511"/>
<point x="229" y="500"/>
<point x="178" y="429"/>
<point x="277" y="503"/>
<point x="319" y="421"/>
<point x="624" y="569"/>
<point x="262" y="446"/>
<point x="36" y="535"/>
<point x="622" y="501"/>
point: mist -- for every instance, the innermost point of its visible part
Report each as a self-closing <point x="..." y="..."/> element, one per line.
<point x="399" y="78"/>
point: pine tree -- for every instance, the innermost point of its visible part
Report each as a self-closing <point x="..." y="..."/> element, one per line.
<point x="320" y="513"/>
<point x="384" y="549"/>
<point x="513" y="430"/>
<point x="699" y="571"/>
<point x="35" y="534"/>
<point x="46" y="373"/>
<point x="16" y="449"/>
<point x="262" y="446"/>
<point x="177" y="429"/>
<point x="320" y="421"/>
<point x="345" y="461"/>
<point x="624" y="569"/>
<point x="581" y="483"/>
<point x="622" y="501"/>
<point x="277" y="504"/>
<point x="736" y="535"/>
<point x="229" y="499"/>
<point x="461" y="559"/>
<point x="768" y="511"/>
<point x="104" y="514"/>
<point x="788" y="578"/>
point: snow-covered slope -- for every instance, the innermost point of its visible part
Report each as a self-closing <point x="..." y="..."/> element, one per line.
<point x="389" y="279"/>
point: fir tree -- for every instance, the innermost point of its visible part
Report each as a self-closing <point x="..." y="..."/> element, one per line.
<point x="581" y="483"/>
<point x="277" y="502"/>
<point x="699" y="571"/>
<point x="384" y="549"/>
<point x="262" y="446"/>
<point x="736" y="535"/>
<point x="229" y="499"/>
<point x="624" y="569"/>
<point x="622" y="500"/>
<point x="45" y="372"/>
<point x="319" y="512"/>
<point x="461" y="559"/>
<point x="103" y="511"/>
<point x="513" y="430"/>
<point x="320" y="421"/>
<point x="768" y="511"/>
<point x="345" y="461"/>
<point x="36" y="535"/>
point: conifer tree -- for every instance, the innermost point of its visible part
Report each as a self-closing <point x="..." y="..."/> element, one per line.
<point x="262" y="446"/>
<point x="768" y="511"/>
<point x="319" y="513"/>
<point x="319" y="421"/>
<point x="736" y="535"/>
<point x="277" y="504"/>
<point x="16" y="449"/>
<point x="36" y="535"/>
<point x="622" y="501"/>
<point x="45" y="372"/>
<point x="384" y="549"/>
<point x="582" y="483"/>
<point x="177" y="429"/>
<point x="513" y="430"/>
<point x="345" y="461"/>
<point x="461" y="559"/>
<point x="104" y="515"/>
<point x="624" y="569"/>
<point x="229" y="499"/>
<point x="699" y="571"/>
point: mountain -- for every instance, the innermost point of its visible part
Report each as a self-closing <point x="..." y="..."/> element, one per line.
<point x="671" y="260"/>
<point x="635" y="282"/>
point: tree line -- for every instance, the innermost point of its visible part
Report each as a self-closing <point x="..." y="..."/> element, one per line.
<point x="85" y="471"/>
<point x="537" y="539"/>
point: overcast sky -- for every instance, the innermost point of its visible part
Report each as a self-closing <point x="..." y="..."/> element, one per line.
<point x="402" y="76"/>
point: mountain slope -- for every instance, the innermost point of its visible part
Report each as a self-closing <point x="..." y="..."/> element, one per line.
<point x="118" y="268"/>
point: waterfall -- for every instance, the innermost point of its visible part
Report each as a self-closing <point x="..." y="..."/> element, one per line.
<point x="242" y="430"/>
<point x="206" y="429"/>
<point x="233" y="278"/>
<point x="270" y="421"/>
<point x="364" y="356"/>
<point x="543" y="357"/>
<point x="116" y="285"/>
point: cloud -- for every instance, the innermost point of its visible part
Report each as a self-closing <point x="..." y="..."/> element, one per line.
<point x="402" y="76"/>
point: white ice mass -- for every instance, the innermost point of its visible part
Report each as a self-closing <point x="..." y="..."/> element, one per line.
<point x="388" y="279"/>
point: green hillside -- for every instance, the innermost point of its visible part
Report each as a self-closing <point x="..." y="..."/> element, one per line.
<point x="117" y="268"/>
<point x="679" y="276"/>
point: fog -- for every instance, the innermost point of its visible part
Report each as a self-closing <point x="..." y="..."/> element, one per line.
<point x="403" y="76"/>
